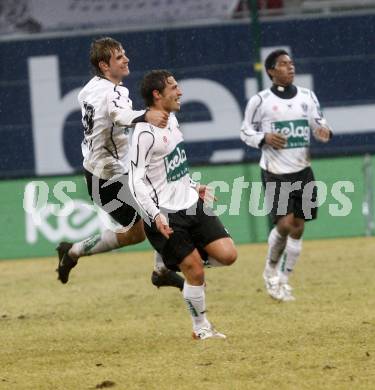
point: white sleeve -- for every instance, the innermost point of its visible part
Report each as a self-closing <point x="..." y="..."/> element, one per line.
<point x="120" y="107"/>
<point x="316" y="119"/>
<point x="251" y="132"/>
<point x="140" y="156"/>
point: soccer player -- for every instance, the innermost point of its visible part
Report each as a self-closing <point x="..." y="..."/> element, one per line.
<point x="107" y="117"/>
<point x="279" y="121"/>
<point x="179" y="225"/>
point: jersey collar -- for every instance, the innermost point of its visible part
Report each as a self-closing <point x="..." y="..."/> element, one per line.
<point x="287" y="92"/>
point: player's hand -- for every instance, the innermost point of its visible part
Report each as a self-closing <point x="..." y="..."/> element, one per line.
<point x="322" y="134"/>
<point x="157" y="118"/>
<point x="162" y="226"/>
<point x="275" y="140"/>
<point x="206" y="194"/>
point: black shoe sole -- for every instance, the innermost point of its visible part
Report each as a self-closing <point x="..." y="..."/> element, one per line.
<point x="167" y="279"/>
<point x="66" y="263"/>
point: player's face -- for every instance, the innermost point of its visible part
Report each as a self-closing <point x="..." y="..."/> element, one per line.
<point x="118" y="67"/>
<point x="170" y="96"/>
<point x="284" y="71"/>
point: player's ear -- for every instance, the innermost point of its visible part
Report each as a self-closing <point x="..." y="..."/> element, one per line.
<point x="103" y="66"/>
<point x="271" y="72"/>
<point x="156" y="94"/>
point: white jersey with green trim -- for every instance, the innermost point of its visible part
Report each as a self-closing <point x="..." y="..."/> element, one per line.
<point x="159" y="172"/>
<point x="294" y="118"/>
<point x="107" y="116"/>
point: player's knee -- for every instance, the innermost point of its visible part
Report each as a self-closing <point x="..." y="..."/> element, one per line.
<point x="231" y="256"/>
<point x="198" y="274"/>
<point x="194" y="274"/>
<point x="297" y="232"/>
<point x="228" y="255"/>
<point x="285" y="226"/>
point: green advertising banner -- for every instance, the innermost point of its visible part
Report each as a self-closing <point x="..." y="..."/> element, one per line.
<point x="38" y="214"/>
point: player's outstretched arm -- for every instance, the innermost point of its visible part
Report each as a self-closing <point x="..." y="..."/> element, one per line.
<point x="156" y="118"/>
<point x="120" y="108"/>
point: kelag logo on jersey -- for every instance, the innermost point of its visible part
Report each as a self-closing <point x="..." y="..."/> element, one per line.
<point x="297" y="132"/>
<point x="176" y="164"/>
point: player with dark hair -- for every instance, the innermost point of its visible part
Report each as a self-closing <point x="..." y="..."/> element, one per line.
<point x="279" y="121"/>
<point x="180" y="226"/>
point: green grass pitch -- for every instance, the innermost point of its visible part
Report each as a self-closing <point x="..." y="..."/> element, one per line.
<point x="110" y="328"/>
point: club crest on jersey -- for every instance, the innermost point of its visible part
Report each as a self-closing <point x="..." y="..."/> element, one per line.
<point x="165" y="139"/>
<point x="297" y="132"/>
<point x="176" y="163"/>
<point x="305" y="107"/>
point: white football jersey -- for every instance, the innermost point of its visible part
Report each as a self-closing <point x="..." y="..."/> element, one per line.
<point x="107" y="115"/>
<point x="294" y="118"/>
<point x="159" y="172"/>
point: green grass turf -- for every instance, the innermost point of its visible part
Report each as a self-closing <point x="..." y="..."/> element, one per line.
<point x="110" y="324"/>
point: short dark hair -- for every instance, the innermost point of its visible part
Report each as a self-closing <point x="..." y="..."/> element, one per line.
<point x="271" y="59"/>
<point x="154" y="80"/>
<point x="101" y="50"/>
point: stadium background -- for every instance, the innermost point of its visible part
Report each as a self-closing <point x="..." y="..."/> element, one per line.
<point x="42" y="71"/>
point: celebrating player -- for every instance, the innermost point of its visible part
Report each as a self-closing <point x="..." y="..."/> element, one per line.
<point x="180" y="227"/>
<point x="107" y="116"/>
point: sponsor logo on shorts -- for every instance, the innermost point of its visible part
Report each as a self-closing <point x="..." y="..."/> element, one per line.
<point x="297" y="132"/>
<point x="176" y="163"/>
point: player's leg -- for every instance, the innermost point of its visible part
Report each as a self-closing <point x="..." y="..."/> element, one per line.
<point x="277" y="240"/>
<point x="281" y="203"/>
<point x="69" y="253"/>
<point x="277" y="237"/>
<point x="131" y="233"/>
<point x="161" y="276"/>
<point x="209" y="234"/>
<point x="304" y="209"/>
<point x="221" y="252"/>
<point x="180" y="253"/>
<point x="107" y="241"/>
<point x="195" y="297"/>
<point x="292" y="250"/>
<point x="103" y="193"/>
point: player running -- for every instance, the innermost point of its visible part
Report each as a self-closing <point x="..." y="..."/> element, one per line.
<point x="279" y="121"/>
